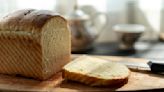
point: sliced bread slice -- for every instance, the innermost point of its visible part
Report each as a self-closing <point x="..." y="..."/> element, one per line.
<point x="96" y="72"/>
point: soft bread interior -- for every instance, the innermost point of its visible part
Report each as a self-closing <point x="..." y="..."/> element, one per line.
<point x="95" y="71"/>
<point x="56" y="46"/>
<point x="98" y="68"/>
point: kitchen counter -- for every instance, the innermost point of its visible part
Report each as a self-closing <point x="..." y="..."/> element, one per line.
<point x="144" y="49"/>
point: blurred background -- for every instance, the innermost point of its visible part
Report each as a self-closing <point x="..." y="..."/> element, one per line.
<point x="100" y="36"/>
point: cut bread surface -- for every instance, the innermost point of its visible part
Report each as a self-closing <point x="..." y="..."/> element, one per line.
<point x="96" y="72"/>
<point x="56" y="46"/>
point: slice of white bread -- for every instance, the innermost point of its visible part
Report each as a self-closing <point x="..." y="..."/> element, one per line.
<point x="96" y="72"/>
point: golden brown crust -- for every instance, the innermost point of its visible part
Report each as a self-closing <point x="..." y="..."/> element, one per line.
<point x="20" y="56"/>
<point x="22" y="38"/>
<point x="27" y="20"/>
<point x="94" y="81"/>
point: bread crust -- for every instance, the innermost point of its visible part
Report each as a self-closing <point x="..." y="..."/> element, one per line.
<point x="27" y="20"/>
<point x="94" y="81"/>
<point x="21" y="43"/>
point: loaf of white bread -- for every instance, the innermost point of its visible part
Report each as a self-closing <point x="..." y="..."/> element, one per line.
<point x="96" y="72"/>
<point x="34" y="43"/>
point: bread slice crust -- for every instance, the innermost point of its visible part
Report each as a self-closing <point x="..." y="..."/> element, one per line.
<point x="92" y="80"/>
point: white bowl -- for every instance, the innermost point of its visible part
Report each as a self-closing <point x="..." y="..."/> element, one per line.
<point x="128" y="34"/>
<point x="129" y="28"/>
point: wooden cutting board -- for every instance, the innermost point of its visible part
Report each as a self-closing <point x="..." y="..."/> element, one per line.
<point x="137" y="81"/>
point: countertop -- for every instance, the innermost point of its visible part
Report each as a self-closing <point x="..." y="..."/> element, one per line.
<point x="152" y="50"/>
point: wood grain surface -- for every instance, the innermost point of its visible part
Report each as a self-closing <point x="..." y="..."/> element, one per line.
<point x="137" y="81"/>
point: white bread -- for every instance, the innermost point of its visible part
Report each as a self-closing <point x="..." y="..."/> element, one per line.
<point x="96" y="72"/>
<point x="34" y="43"/>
